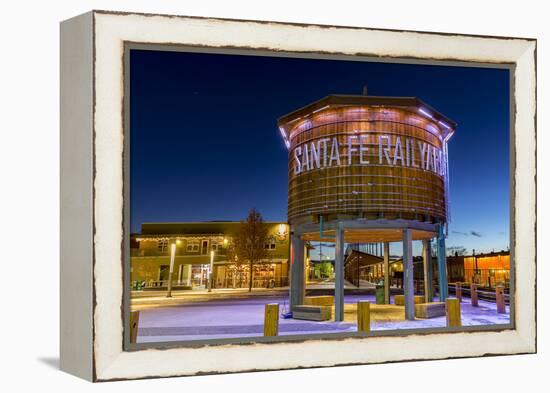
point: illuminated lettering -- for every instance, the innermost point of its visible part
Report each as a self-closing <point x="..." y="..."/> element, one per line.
<point x="315" y="157"/>
<point x="435" y="154"/>
<point x="384" y="150"/>
<point x="326" y="152"/>
<point x="422" y="147"/>
<point x="298" y="164"/>
<point x="351" y="149"/>
<point x="398" y="152"/>
<point x="362" y="150"/>
<point x="428" y="158"/>
<point x="334" y="153"/>
<point x="324" y="142"/>
<point x="305" y="159"/>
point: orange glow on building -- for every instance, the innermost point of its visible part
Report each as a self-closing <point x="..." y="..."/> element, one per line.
<point x="491" y="268"/>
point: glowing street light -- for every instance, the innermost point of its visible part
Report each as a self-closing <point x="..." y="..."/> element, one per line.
<point x="210" y="270"/>
<point x="281" y="232"/>
<point x="172" y="258"/>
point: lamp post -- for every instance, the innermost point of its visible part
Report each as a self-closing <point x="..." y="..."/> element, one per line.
<point x="210" y="271"/>
<point x="476" y="275"/>
<point x="172" y="258"/>
<point x="235" y="272"/>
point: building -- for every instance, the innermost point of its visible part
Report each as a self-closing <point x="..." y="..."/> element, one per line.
<point x="362" y="267"/>
<point x="320" y="269"/>
<point x="486" y="270"/>
<point x="195" y="242"/>
<point x="368" y="170"/>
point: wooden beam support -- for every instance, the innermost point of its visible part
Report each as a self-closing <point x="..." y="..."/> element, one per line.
<point x="452" y="309"/>
<point x="458" y="291"/>
<point x="271" y="320"/>
<point x="134" y="322"/>
<point x="473" y="295"/>
<point x="501" y="303"/>
<point x="363" y="316"/>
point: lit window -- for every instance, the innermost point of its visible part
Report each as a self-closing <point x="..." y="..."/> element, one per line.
<point x="192" y="246"/>
<point x="162" y="245"/>
<point x="270" y="244"/>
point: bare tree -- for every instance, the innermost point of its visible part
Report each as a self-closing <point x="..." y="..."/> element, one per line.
<point x="250" y="242"/>
<point x="231" y="254"/>
<point x="456" y="251"/>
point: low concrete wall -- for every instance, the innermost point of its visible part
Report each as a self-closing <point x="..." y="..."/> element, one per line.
<point x="319" y="300"/>
<point x="429" y="310"/>
<point x="399" y="300"/>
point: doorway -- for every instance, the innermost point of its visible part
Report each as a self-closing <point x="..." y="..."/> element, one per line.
<point x="204" y="247"/>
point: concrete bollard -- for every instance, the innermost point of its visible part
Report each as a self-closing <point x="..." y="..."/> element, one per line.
<point x="271" y="319"/>
<point x="452" y="309"/>
<point x="363" y="316"/>
<point x="501" y="304"/>
<point x="134" y="322"/>
<point x="458" y="291"/>
<point x="473" y="295"/>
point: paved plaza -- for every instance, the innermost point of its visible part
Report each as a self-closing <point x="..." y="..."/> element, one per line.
<point x="233" y="315"/>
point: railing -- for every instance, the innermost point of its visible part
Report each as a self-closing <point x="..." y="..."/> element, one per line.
<point x="484" y="293"/>
<point x="153" y="252"/>
<point x="222" y="283"/>
<point x="488" y="278"/>
<point x="274" y="282"/>
<point x="159" y="284"/>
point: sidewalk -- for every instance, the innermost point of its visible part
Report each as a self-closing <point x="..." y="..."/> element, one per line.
<point x="147" y="299"/>
<point x="157" y="298"/>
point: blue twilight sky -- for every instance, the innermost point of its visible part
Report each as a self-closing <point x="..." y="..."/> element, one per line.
<point x="205" y="144"/>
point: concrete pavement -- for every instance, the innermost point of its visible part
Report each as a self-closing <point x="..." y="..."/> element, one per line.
<point x="204" y="317"/>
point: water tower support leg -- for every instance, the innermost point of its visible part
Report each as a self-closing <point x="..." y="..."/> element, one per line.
<point x="408" y="274"/>
<point x="387" y="273"/>
<point x="427" y="257"/>
<point x="297" y="288"/>
<point x="442" y="264"/>
<point x="339" y="279"/>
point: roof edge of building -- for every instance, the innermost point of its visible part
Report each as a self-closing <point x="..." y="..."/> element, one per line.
<point x="349" y="100"/>
<point x="206" y="222"/>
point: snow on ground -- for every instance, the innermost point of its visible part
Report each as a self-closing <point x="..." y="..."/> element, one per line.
<point x="233" y="318"/>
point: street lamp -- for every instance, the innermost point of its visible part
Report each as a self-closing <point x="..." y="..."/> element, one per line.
<point x="172" y="258"/>
<point x="210" y="270"/>
<point x="476" y="275"/>
<point x="235" y="272"/>
<point x="307" y="269"/>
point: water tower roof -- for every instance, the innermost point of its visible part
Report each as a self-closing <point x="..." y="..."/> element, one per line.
<point x="335" y="100"/>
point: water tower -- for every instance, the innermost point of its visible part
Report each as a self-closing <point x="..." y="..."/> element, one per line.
<point x="370" y="170"/>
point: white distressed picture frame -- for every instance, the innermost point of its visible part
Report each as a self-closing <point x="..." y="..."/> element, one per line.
<point x="93" y="189"/>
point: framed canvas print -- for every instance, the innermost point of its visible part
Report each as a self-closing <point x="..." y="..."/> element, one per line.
<point x="245" y="195"/>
